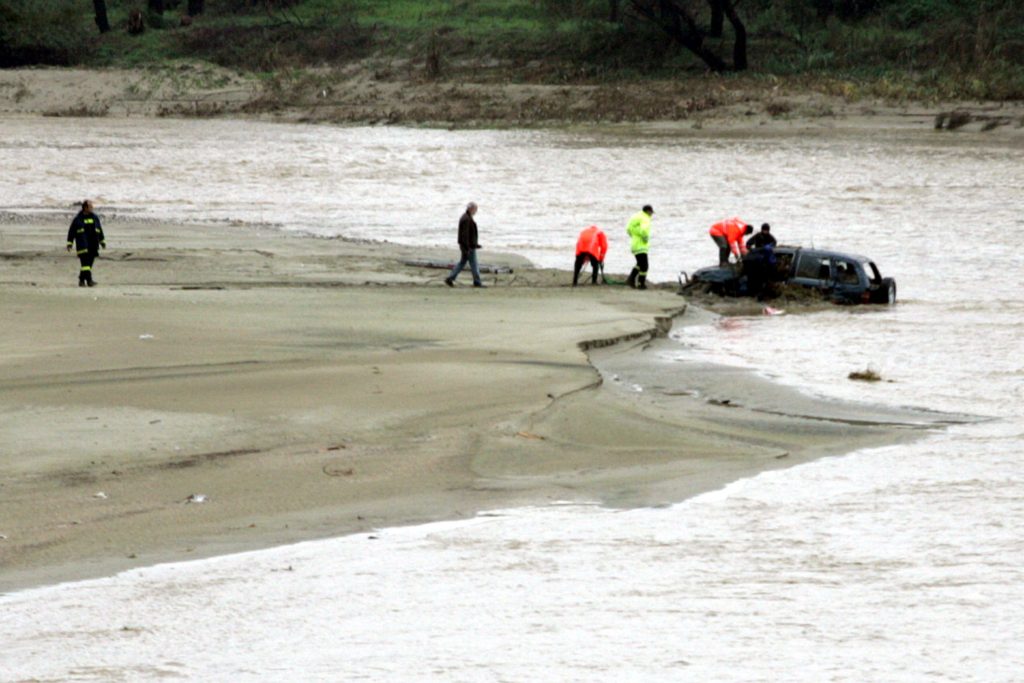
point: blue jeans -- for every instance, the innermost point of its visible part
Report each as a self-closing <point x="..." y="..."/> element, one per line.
<point x="468" y="255"/>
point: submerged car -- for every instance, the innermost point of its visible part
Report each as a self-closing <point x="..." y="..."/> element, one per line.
<point x="839" y="277"/>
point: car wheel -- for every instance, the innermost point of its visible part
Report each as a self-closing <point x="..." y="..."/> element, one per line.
<point x="885" y="293"/>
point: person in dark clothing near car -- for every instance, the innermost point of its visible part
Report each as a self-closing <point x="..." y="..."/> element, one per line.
<point x="86" y="235"/>
<point x="467" y="245"/>
<point x="763" y="238"/>
<point x="759" y="266"/>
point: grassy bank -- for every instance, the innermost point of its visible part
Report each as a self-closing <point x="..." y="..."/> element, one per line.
<point x="897" y="49"/>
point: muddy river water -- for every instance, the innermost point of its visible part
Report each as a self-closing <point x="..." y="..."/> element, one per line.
<point x="898" y="564"/>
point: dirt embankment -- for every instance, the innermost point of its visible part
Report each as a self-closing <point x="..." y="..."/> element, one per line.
<point x="392" y="92"/>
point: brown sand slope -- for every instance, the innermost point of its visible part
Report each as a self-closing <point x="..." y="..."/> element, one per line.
<point x="312" y="387"/>
<point x="384" y="92"/>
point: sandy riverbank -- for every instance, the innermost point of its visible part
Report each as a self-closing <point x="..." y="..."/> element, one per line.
<point x="311" y="387"/>
<point x="387" y="92"/>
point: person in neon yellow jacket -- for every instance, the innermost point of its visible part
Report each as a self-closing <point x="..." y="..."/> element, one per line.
<point x="639" y="231"/>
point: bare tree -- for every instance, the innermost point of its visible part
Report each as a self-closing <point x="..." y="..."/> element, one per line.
<point x="739" y="43"/>
<point x="682" y="27"/>
<point x="195" y="7"/>
<point x="100" y="7"/>
<point x="156" y="6"/>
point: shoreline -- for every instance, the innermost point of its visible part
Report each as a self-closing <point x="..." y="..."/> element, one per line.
<point x="363" y="95"/>
<point x="315" y="388"/>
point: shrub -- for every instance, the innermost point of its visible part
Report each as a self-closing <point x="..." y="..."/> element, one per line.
<point x="265" y="48"/>
<point x="43" y="32"/>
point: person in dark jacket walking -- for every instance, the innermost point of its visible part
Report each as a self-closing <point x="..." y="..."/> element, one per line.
<point x="86" y="235"/>
<point x="468" y="245"/>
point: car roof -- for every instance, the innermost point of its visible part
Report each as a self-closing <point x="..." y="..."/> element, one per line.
<point x="823" y="252"/>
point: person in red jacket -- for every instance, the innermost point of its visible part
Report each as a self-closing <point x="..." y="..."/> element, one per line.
<point x="728" y="235"/>
<point x="593" y="245"/>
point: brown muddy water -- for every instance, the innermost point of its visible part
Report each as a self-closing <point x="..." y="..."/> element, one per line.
<point x="897" y="564"/>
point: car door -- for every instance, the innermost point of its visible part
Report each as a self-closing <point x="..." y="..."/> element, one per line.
<point x="850" y="281"/>
<point x="813" y="270"/>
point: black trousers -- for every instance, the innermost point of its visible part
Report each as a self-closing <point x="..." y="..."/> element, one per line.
<point x="581" y="258"/>
<point x="86" y="260"/>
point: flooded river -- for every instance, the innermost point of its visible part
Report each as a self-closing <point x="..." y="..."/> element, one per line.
<point x="914" y="201"/>
<point x="896" y="564"/>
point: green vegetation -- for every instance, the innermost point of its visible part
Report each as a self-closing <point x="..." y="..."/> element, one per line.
<point x="892" y="48"/>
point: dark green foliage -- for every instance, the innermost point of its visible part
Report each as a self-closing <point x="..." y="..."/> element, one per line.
<point x="947" y="48"/>
<point x="950" y="48"/>
<point x="282" y="44"/>
<point x="57" y="32"/>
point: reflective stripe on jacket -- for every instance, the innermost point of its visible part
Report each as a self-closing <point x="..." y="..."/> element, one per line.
<point x="86" y="233"/>
<point x="593" y="241"/>
<point x="732" y="230"/>
<point x="639" y="231"/>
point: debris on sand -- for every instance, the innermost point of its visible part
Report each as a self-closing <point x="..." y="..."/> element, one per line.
<point x="952" y="120"/>
<point x="529" y="435"/>
<point x="868" y="375"/>
<point x="196" y="498"/>
<point x="336" y="471"/>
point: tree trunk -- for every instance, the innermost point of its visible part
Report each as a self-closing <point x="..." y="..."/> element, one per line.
<point x="739" y="46"/>
<point x="136" y="24"/>
<point x="156" y="6"/>
<point x="682" y="28"/>
<point x="717" y="18"/>
<point x="613" y="10"/>
<point x="195" y="7"/>
<point x="102" y="23"/>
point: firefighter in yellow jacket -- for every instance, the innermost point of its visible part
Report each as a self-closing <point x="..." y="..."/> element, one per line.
<point x="86" y="235"/>
<point x="639" y="231"/>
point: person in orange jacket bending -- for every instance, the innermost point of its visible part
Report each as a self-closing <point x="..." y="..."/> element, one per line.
<point x="728" y="235"/>
<point x="592" y="244"/>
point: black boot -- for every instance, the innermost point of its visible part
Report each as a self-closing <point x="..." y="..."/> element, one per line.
<point x="631" y="280"/>
<point x="642" y="280"/>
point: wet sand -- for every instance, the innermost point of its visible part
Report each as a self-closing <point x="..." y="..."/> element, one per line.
<point x="318" y="387"/>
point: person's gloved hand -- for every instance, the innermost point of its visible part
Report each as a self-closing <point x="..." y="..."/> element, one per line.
<point x="69" y="247"/>
<point x="103" y="244"/>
